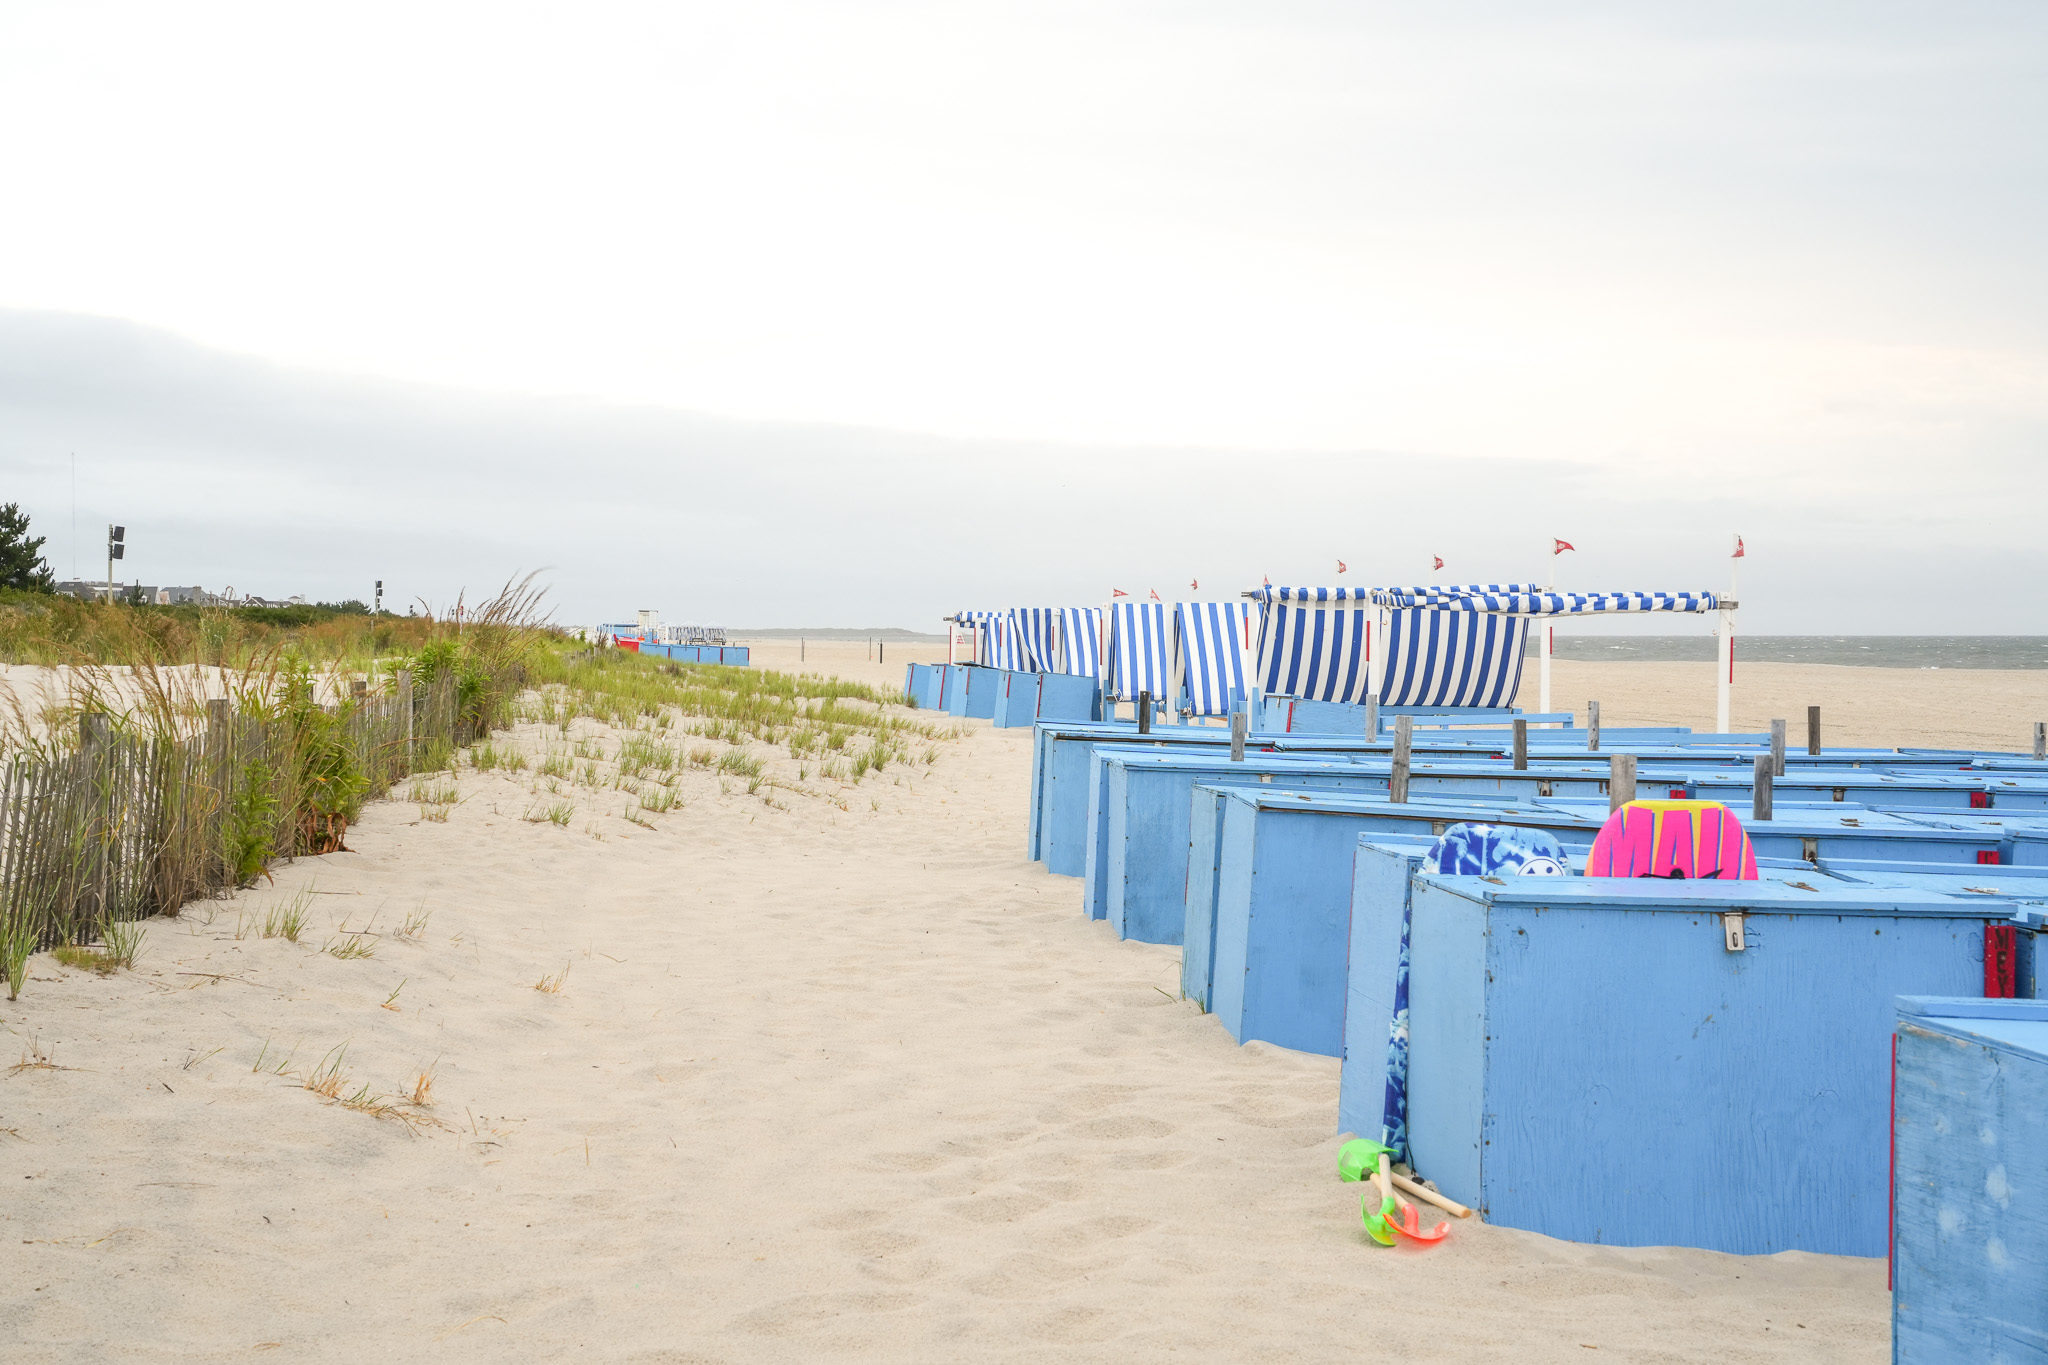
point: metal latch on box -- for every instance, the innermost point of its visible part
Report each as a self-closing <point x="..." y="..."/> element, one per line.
<point x="1809" y="848"/>
<point x="1731" y="931"/>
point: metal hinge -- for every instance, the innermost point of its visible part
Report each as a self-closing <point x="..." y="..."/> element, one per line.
<point x="1731" y="931"/>
<point x="1810" y="850"/>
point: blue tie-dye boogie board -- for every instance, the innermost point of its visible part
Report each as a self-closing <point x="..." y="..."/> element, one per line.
<point x="1465" y="850"/>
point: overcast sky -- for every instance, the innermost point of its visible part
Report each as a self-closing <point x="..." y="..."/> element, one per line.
<point x="845" y="314"/>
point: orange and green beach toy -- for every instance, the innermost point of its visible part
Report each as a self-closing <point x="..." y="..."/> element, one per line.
<point x="1364" y="1160"/>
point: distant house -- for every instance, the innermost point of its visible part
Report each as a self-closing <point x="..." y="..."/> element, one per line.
<point x="176" y="595"/>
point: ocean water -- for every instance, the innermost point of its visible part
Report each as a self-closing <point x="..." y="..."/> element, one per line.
<point x="1869" y="651"/>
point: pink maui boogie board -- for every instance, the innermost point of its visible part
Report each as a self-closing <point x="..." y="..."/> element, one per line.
<point x="1673" y="839"/>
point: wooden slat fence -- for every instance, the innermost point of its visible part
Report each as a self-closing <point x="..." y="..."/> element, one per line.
<point x="130" y="825"/>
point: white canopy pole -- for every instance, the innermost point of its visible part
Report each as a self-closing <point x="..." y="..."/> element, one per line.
<point x="1102" y="630"/>
<point x="1376" y="650"/>
<point x="1724" y="675"/>
<point x="1543" y="670"/>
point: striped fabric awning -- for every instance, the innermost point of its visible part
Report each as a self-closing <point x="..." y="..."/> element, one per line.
<point x="1452" y="658"/>
<point x="1312" y="643"/>
<point x="1005" y="639"/>
<point x="1037" y="630"/>
<point x="1080" y="644"/>
<point x="1210" y="642"/>
<point x="1525" y="599"/>
<point x="1138" y="650"/>
<point x="1446" y="645"/>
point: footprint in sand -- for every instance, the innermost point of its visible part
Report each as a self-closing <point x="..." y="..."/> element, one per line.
<point x="1123" y="1127"/>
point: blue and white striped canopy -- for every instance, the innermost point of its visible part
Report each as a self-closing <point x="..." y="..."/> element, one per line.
<point x="1139" y="646"/>
<point x="1210" y="642"/>
<point x="1037" y="630"/>
<point x="1080" y="645"/>
<point x="1312" y="643"/>
<point x="1452" y="658"/>
<point x="1525" y="599"/>
<point x="1005" y="642"/>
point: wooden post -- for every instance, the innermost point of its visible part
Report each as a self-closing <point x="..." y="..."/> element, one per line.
<point x="881" y="651"/>
<point x="1593" y="726"/>
<point x="95" y="733"/>
<point x="1777" y="748"/>
<point x="1521" y="745"/>
<point x="1404" y="751"/>
<point x="1760" y="798"/>
<point x="1372" y="716"/>
<point x="1724" y="666"/>
<point x="1813" y="731"/>
<point x="2041" y="739"/>
<point x="1621" y="781"/>
<point x="405" y="704"/>
<point x="1144" y="713"/>
<point x="1237" y="729"/>
<point x="357" y="687"/>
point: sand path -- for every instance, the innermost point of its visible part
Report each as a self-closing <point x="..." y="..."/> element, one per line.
<point x="821" y="1084"/>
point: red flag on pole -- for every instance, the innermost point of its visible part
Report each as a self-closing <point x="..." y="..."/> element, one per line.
<point x="1558" y="547"/>
<point x="1155" y="594"/>
<point x="1118" y="592"/>
<point x="1269" y="582"/>
<point x="1340" y="566"/>
<point x="1194" y="585"/>
<point x="1437" y="560"/>
<point x="1738" y="548"/>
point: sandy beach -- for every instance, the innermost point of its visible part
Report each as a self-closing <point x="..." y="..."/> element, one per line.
<point x="829" y="1076"/>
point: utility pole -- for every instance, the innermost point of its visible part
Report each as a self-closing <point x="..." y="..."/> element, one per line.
<point x="117" y="548"/>
<point x="377" y="609"/>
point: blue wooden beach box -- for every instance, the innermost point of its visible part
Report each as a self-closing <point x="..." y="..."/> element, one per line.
<point x="1016" y="700"/>
<point x="1381" y="884"/>
<point x="983" y="685"/>
<point x="1595" y="1060"/>
<point x="918" y="685"/>
<point x="1283" y="901"/>
<point x="1069" y="697"/>
<point x="1137" y="871"/>
<point x="1061" y="788"/>
<point x="1970" y="1128"/>
<point x="953" y="689"/>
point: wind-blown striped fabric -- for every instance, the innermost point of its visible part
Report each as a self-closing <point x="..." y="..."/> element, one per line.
<point x="1312" y="643"/>
<point x="1138" y="650"/>
<point x="1037" y="638"/>
<point x="1210" y="642"/>
<point x="1005" y="642"/>
<point x="1080" y="646"/>
<point x="1452" y="658"/>
<point x="1527" y="600"/>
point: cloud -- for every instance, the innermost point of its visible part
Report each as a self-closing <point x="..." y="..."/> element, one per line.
<point x="276" y="479"/>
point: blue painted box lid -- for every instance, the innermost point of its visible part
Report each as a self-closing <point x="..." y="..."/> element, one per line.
<point x="2016" y="1026"/>
<point x="1758" y="897"/>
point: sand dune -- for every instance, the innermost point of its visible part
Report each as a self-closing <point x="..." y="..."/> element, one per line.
<point x="840" y="1077"/>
